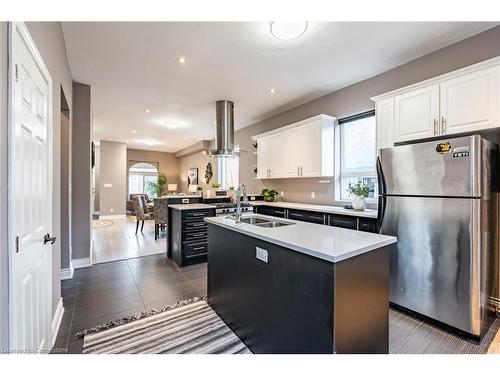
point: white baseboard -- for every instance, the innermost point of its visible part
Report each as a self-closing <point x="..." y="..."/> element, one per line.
<point x="56" y="321"/>
<point x="113" y="216"/>
<point x="67" y="273"/>
<point x="82" y="263"/>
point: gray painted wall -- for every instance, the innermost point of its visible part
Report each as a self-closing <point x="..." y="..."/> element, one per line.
<point x="81" y="173"/>
<point x="97" y="195"/>
<point x="4" y="276"/>
<point x="65" y="206"/>
<point x="356" y="98"/>
<point x="113" y="170"/>
<point x="168" y="164"/>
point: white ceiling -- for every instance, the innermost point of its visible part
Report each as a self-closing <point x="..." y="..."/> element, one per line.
<point x="133" y="67"/>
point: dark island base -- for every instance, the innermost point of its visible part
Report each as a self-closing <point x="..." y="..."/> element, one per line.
<point x="297" y="303"/>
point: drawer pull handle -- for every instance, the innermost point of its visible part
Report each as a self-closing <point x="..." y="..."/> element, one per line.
<point x="198" y="234"/>
<point x="199" y="248"/>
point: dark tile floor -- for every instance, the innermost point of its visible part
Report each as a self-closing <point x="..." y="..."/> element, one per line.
<point x="108" y="291"/>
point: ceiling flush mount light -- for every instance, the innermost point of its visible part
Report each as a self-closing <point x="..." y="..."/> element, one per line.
<point x="181" y="60"/>
<point x="172" y="125"/>
<point x="147" y="111"/>
<point x="134" y="131"/>
<point x="272" y="91"/>
<point x="288" y="30"/>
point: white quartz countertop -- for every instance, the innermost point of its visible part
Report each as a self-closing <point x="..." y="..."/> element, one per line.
<point x="319" y="208"/>
<point x="332" y="244"/>
<point x="190" y="206"/>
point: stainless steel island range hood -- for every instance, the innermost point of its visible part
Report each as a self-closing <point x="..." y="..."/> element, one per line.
<point x="224" y="130"/>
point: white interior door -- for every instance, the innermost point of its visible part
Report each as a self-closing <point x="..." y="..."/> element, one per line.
<point x="30" y="198"/>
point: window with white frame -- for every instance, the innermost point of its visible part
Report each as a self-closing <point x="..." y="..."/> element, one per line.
<point x="139" y="174"/>
<point x="228" y="171"/>
<point x="358" y="153"/>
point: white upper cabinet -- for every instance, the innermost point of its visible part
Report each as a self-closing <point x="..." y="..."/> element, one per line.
<point x="416" y="114"/>
<point x="302" y="149"/>
<point x="263" y="158"/>
<point x="464" y="101"/>
<point x="384" y="110"/>
<point x="276" y="156"/>
<point x="470" y="102"/>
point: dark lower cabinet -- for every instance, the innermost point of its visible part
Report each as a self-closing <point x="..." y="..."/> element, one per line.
<point x="189" y="236"/>
<point x="342" y="221"/>
<point x="296" y="303"/>
<point x="307" y="216"/>
<point x="334" y="220"/>
<point x="367" y="225"/>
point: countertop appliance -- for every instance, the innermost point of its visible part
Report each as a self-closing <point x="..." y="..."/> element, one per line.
<point x="439" y="198"/>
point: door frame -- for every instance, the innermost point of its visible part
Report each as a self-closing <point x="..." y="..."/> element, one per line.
<point x="22" y="30"/>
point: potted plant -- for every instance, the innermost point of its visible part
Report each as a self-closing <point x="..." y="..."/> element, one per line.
<point x="360" y="191"/>
<point x="269" y="194"/>
<point x="156" y="188"/>
<point x="215" y="185"/>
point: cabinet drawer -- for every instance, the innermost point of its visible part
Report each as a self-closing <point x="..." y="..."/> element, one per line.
<point x="310" y="217"/>
<point x="278" y="212"/>
<point x="343" y="221"/>
<point x="194" y="225"/>
<point x="197" y="215"/>
<point x="367" y="225"/>
<point x="192" y="250"/>
<point x="197" y="235"/>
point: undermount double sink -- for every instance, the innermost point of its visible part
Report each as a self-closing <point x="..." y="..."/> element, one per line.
<point x="264" y="222"/>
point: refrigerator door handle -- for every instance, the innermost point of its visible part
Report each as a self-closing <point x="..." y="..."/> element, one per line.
<point x="382" y="190"/>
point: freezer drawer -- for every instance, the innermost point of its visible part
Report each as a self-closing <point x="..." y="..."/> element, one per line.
<point x="435" y="267"/>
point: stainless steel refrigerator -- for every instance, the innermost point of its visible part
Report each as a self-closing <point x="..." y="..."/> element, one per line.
<point x="439" y="198"/>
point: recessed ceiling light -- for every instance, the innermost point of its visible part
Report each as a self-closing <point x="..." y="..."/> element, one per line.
<point x="288" y="30"/>
<point x="147" y="111"/>
<point x="186" y="137"/>
<point x="134" y="131"/>
<point x="181" y="60"/>
<point x="272" y="90"/>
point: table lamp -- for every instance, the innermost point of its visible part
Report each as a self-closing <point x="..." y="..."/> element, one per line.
<point x="172" y="187"/>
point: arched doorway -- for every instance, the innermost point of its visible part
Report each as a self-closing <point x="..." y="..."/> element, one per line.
<point x="139" y="174"/>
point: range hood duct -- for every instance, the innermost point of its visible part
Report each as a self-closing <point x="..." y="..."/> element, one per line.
<point x="224" y="130"/>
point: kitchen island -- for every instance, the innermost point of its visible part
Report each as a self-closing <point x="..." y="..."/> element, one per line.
<point x="297" y="287"/>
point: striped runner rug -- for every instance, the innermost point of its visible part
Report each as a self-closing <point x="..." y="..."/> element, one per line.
<point x="190" y="327"/>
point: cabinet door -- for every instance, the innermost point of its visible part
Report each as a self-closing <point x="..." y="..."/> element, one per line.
<point x="277" y="156"/>
<point x="470" y="102"/>
<point x="310" y="149"/>
<point x="416" y="114"/>
<point x="262" y="157"/>
<point x="293" y="152"/>
<point x="384" y="112"/>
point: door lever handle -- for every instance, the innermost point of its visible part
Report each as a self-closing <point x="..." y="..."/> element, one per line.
<point x="48" y="238"/>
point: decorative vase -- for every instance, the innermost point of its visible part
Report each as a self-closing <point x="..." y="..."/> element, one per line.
<point x="269" y="198"/>
<point x="358" y="203"/>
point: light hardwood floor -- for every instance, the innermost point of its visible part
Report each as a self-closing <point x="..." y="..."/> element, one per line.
<point x="118" y="241"/>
